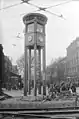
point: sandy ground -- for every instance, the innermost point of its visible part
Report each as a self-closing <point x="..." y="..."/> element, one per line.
<point x="14" y="93"/>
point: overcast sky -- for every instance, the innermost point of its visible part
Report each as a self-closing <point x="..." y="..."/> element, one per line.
<point x="59" y="33"/>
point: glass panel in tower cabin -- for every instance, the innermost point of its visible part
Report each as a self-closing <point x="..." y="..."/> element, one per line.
<point x="30" y="28"/>
<point x="40" y="28"/>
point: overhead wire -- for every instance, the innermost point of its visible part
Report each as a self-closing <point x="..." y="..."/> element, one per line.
<point x="23" y="1"/>
<point x="59" y="4"/>
<point x="44" y="9"/>
<point x="39" y="8"/>
<point x="61" y="16"/>
<point x="11" y="6"/>
<point x="50" y="6"/>
<point x="27" y="1"/>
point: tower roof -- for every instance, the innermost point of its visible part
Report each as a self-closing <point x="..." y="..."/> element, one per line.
<point x="32" y="16"/>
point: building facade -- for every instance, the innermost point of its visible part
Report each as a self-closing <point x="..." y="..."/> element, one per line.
<point x="1" y="67"/>
<point x="72" y="61"/>
<point x="56" y="71"/>
<point x="62" y="69"/>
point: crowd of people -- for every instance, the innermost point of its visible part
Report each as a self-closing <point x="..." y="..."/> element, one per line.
<point x="65" y="89"/>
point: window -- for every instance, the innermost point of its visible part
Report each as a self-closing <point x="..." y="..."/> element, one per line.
<point x="39" y="28"/>
<point x="30" y="28"/>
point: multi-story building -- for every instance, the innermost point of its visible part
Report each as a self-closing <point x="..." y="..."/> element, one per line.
<point x="1" y="67"/>
<point x="72" y="65"/>
<point x="56" y="71"/>
<point x="62" y="68"/>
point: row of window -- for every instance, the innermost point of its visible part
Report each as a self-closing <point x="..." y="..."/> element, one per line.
<point x="72" y="62"/>
<point x="31" y="28"/>
<point x="73" y="69"/>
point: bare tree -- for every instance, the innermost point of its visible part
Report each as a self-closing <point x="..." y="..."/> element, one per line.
<point x="20" y="63"/>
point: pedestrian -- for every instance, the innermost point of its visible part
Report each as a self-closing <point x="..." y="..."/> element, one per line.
<point x="73" y="87"/>
<point x="70" y="90"/>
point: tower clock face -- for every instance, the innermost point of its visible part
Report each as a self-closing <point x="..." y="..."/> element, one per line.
<point x="40" y="38"/>
<point x="29" y="38"/>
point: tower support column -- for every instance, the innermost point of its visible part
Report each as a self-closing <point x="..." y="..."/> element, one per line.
<point x="35" y="91"/>
<point x="25" y="73"/>
<point x="39" y="61"/>
<point x="29" y="71"/>
<point x="44" y="71"/>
